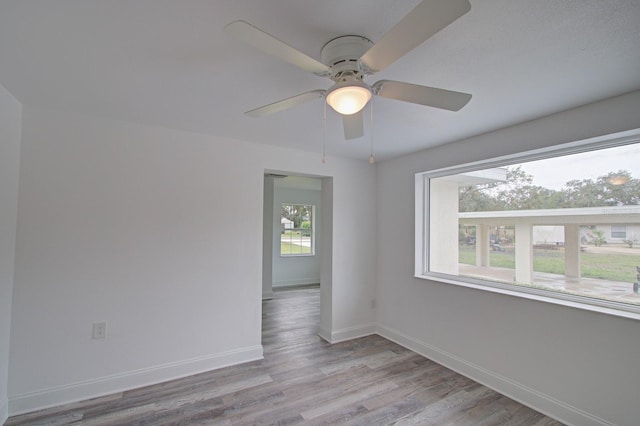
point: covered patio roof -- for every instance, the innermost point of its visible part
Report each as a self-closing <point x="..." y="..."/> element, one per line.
<point x="580" y="216"/>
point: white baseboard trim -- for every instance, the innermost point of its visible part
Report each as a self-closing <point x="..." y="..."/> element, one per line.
<point x="267" y="295"/>
<point x="539" y="401"/>
<point x="59" y="395"/>
<point x="291" y="283"/>
<point x="348" y="333"/>
<point x="324" y="334"/>
<point x="4" y="411"/>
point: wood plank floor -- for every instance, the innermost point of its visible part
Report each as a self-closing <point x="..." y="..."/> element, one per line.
<point x="304" y="380"/>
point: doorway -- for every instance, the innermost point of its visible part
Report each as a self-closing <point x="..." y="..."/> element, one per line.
<point x="297" y="227"/>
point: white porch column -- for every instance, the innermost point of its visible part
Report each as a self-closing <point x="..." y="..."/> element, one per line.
<point x="482" y="245"/>
<point x="524" y="253"/>
<point x="443" y="226"/>
<point x="572" y="250"/>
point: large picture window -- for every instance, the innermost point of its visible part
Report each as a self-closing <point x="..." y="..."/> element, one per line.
<point x="297" y="230"/>
<point x="561" y="225"/>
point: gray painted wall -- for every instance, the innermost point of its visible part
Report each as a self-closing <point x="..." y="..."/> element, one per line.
<point x="157" y="232"/>
<point x="10" y="129"/>
<point x="577" y="365"/>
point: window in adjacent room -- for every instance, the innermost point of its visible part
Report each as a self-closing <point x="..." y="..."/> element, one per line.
<point x="562" y="225"/>
<point x="297" y="230"/>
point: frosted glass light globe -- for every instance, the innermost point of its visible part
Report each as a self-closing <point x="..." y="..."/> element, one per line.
<point x="349" y="99"/>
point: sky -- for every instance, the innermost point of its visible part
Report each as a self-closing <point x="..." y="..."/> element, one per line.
<point x="553" y="173"/>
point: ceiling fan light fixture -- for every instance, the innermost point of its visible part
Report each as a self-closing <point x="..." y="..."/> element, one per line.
<point x="348" y="98"/>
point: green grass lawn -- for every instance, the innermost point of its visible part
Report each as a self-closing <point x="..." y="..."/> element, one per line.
<point x="614" y="267"/>
<point x="288" y="245"/>
<point x="289" y="248"/>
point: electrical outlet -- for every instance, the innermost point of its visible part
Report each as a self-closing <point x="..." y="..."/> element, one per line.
<point x="99" y="330"/>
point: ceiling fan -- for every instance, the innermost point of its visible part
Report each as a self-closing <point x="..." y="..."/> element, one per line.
<point x="347" y="60"/>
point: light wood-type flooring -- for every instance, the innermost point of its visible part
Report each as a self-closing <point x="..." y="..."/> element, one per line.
<point x="304" y="380"/>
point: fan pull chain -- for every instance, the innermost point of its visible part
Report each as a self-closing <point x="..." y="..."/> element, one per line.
<point x="371" y="159"/>
<point x="324" y="133"/>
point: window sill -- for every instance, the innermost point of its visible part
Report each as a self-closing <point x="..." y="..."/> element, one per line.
<point x="540" y="295"/>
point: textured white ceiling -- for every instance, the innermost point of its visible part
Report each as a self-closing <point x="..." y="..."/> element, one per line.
<point x="169" y="63"/>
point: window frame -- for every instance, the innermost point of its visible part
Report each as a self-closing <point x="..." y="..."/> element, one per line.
<point x="422" y="239"/>
<point x="312" y="236"/>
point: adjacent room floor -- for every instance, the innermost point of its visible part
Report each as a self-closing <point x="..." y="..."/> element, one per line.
<point x="304" y="380"/>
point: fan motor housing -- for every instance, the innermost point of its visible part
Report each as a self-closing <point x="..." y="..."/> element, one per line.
<point x="342" y="56"/>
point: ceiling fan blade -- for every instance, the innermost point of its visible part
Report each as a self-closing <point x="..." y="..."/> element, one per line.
<point x="353" y="125"/>
<point x="271" y="45"/>
<point x="425" y="20"/>
<point x="285" y="103"/>
<point x="422" y="95"/>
